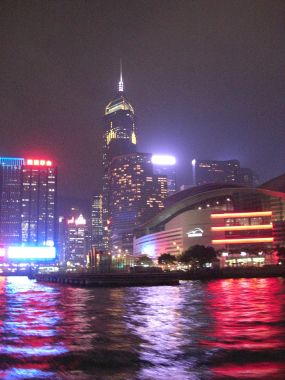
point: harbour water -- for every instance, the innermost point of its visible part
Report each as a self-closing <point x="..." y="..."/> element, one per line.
<point x="221" y="329"/>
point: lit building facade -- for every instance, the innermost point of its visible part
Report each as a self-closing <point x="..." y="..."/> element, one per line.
<point x="28" y="202"/>
<point x="164" y="165"/>
<point x="97" y="222"/>
<point x="10" y="200"/>
<point x="38" y="203"/>
<point x="136" y="195"/>
<point x="228" y="172"/>
<point x="244" y="224"/>
<point x="119" y="138"/>
<point x="76" y="241"/>
<point x="28" y="193"/>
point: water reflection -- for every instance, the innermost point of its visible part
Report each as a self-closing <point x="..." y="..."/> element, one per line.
<point x="218" y="329"/>
<point x="29" y="314"/>
<point x="168" y="321"/>
<point x="249" y="327"/>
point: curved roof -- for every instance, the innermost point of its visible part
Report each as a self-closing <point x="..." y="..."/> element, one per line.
<point x="120" y="103"/>
<point x="275" y="184"/>
<point x="182" y="200"/>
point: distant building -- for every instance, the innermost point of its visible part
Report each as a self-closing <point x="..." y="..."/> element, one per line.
<point x="119" y="138"/>
<point x="227" y="172"/>
<point x="136" y="195"/>
<point x="61" y="240"/>
<point x="164" y="165"/>
<point x="77" y="241"/>
<point x="97" y="222"/>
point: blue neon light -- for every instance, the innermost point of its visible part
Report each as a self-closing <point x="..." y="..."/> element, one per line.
<point x="31" y="253"/>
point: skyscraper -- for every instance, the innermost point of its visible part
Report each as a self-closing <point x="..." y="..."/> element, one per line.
<point x="213" y="171"/>
<point x="97" y="222"/>
<point x="10" y="202"/>
<point x="38" y="203"/>
<point x="27" y="202"/>
<point x="136" y="194"/>
<point x="164" y="165"/>
<point x="28" y="225"/>
<point x="119" y="138"/>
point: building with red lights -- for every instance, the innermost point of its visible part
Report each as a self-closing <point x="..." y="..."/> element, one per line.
<point x="244" y="224"/>
<point x="38" y="202"/>
<point x="28" y="193"/>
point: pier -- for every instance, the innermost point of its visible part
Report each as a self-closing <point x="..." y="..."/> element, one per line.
<point x="109" y="279"/>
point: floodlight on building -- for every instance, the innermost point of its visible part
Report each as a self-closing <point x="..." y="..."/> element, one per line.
<point x="163" y="159"/>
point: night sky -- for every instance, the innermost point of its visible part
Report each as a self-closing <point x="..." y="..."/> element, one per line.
<point x="206" y="79"/>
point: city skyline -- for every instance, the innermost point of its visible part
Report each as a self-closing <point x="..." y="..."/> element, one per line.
<point x="216" y="79"/>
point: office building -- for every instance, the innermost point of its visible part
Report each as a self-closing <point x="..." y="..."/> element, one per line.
<point x="28" y="225"/>
<point x="38" y="203"/>
<point x="165" y="165"/>
<point x="10" y="202"/>
<point x="77" y="241"/>
<point x="28" y="202"/>
<point x="227" y="172"/>
<point x="136" y="195"/>
<point x="97" y="222"/>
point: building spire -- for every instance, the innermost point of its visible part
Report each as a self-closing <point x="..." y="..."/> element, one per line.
<point x="121" y="83"/>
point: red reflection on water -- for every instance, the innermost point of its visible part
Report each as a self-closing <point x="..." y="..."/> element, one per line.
<point x="248" y="325"/>
<point x="247" y="312"/>
<point x="266" y="370"/>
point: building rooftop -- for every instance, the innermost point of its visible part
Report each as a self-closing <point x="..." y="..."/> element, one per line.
<point x="120" y="103"/>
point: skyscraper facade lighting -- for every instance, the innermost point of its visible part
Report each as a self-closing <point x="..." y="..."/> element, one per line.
<point x="38" y="202"/>
<point x="76" y="244"/>
<point x="10" y="200"/>
<point x="136" y="195"/>
<point x="165" y="165"/>
<point x="28" y="193"/>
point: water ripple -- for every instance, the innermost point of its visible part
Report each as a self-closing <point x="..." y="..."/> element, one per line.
<point x="222" y="329"/>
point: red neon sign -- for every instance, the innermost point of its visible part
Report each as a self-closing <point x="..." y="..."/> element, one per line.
<point x="241" y="214"/>
<point x="243" y="241"/>
<point x="38" y="162"/>
<point x="243" y="228"/>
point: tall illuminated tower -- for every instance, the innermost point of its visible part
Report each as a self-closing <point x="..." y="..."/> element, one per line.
<point x="119" y="138"/>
